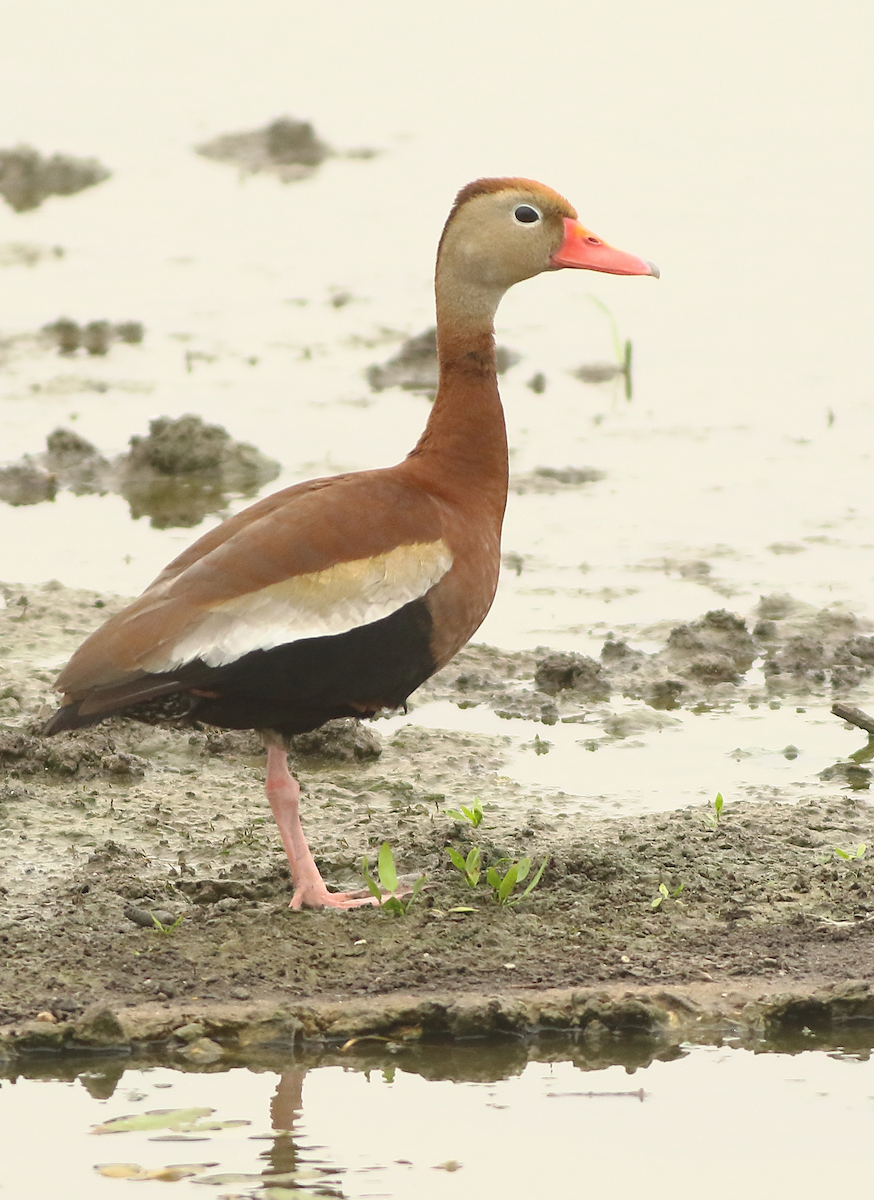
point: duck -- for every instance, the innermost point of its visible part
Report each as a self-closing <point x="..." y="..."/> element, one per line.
<point x="339" y="596"/>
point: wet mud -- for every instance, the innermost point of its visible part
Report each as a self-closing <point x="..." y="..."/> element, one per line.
<point x="141" y="871"/>
<point x="27" y="178"/>
<point x="179" y="472"/>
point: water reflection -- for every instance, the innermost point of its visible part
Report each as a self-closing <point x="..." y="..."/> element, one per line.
<point x="401" y="1119"/>
<point x="286" y="1108"/>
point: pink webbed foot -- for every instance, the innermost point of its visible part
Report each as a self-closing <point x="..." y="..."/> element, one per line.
<point x="316" y="895"/>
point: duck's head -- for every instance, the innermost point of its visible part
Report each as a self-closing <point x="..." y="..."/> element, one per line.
<point x="501" y="231"/>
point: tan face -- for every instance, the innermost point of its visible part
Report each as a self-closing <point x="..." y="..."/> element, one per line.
<point x="500" y="238"/>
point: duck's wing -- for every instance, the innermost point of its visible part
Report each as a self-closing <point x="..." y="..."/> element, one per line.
<point x="316" y="560"/>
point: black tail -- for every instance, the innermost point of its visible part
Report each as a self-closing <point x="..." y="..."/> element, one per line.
<point x="69" y="717"/>
<point x="107" y="701"/>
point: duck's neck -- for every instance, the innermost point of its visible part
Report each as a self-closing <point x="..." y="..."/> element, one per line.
<point x="464" y="444"/>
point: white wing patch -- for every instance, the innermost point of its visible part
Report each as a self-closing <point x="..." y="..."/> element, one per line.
<point x="336" y="600"/>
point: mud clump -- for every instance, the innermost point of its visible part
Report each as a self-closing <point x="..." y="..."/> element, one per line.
<point x="182" y="469"/>
<point x="342" y="741"/>
<point x="716" y="649"/>
<point x="76" y="463"/>
<point x="177" y="474"/>
<point x="27" y="178"/>
<point x="237" y="743"/>
<point x="288" y="141"/>
<point x="95" y="337"/>
<point x="188" y="446"/>
<point x="416" y="368"/>
<point x="287" y="148"/>
<point x="23" y="756"/>
<point x="810" y="651"/>
<point x="567" y="671"/>
<point x="26" y="482"/>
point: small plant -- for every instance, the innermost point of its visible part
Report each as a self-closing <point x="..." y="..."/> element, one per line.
<point x="388" y="879"/>
<point x="666" y="894"/>
<point x="851" y="855"/>
<point x="516" y="873"/>
<point x="167" y="930"/>
<point x="716" y="816"/>
<point x="474" y="816"/>
<point x="469" y="867"/>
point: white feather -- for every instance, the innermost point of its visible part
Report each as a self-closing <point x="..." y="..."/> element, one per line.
<point x="341" y="598"/>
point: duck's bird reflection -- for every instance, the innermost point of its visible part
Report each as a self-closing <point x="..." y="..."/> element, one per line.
<point x="286" y="1106"/>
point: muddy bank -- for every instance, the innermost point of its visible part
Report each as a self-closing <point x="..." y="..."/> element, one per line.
<point x="607" y="1025"/>
<point x="104" y="830"/>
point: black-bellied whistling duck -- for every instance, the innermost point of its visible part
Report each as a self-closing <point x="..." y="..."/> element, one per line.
<point x="338" y="597"/>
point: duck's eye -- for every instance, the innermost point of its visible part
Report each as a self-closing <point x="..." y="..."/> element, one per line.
<point x="526" y="214"/>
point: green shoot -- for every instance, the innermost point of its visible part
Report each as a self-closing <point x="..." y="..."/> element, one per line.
<point x="469" y="867"/>
<point x="516" y="873"/>
<point x="666" y="894"/>
<point x="716" y="816"/>
<point x="388" y="879"/>
<point x="850" y="855"/>
<point x="473" y="816"/>
<point x="167" y="930"/>
<point x="618" y="348"/>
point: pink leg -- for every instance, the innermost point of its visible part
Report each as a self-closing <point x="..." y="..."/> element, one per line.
<point x="283" y="792"/>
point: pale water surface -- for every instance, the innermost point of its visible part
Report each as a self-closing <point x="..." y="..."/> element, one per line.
<point x="541" y="1129"/>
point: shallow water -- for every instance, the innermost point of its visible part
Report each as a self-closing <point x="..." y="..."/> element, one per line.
<point x="384" y="1126"/>
<point x="746" y="446"/>
<point x="747" y="751"/>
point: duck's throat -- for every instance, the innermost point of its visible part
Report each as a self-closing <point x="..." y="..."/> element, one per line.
<point x="465" y="440"/>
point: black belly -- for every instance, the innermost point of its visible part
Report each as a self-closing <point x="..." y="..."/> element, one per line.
<point x="298" y="687"/>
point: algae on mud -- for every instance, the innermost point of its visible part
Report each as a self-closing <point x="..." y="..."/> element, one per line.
<point x="126" y="818"/>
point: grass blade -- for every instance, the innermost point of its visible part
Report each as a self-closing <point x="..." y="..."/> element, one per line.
<point x="534" y="882"/>
<point x="508" y="883"/>
<point x="388" y="876"/>
<point x="456" y="859"/>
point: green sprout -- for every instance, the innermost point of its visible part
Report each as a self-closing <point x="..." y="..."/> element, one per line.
<point x="388" y="879"/>
<point x="716" y="816"/>
<point x="851" y="855"/>
<point x="167" y="930"/>
<point x="469" y="867"/>
<point x="472" y="815"/>
<point x="666" y="894"/>
<point x="517" y="871"/>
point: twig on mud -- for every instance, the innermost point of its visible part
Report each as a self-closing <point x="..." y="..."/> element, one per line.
<point x="855" y="716"/>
